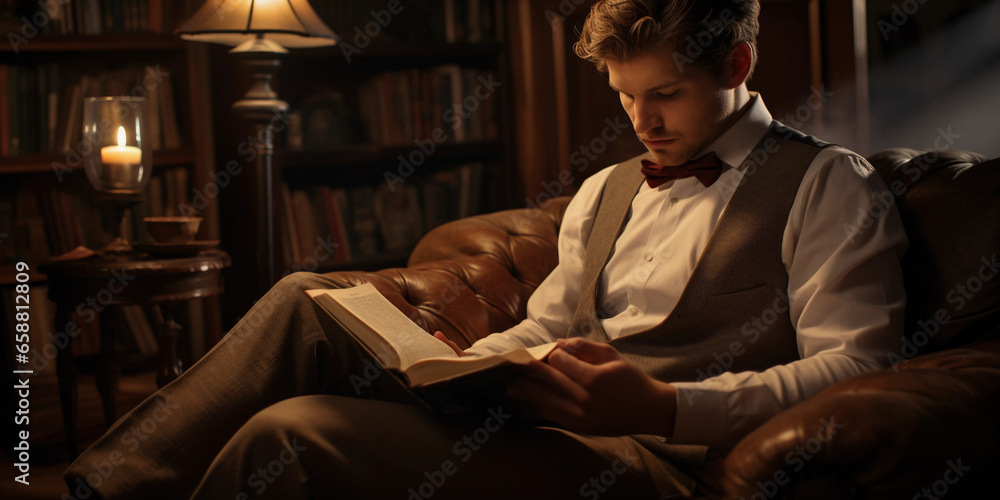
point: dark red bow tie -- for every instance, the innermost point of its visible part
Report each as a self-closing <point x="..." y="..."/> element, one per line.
<point x="706" y="169"/>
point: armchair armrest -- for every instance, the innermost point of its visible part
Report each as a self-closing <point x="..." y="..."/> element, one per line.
<point x="877" y="435"/>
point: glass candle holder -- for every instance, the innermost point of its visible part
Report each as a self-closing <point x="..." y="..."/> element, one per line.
<point x="117" y="159"/>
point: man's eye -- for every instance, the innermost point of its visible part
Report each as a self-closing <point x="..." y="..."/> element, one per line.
<point x="667" y="94"/>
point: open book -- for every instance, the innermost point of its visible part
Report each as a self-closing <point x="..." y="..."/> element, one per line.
<point x="404" y="348"/>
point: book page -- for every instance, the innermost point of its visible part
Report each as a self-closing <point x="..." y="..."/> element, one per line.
<point x="410" y="341"/>
<point x="431" y="371"/>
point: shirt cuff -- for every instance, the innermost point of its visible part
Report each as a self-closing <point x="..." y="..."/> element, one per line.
<point x="702" y="414"/>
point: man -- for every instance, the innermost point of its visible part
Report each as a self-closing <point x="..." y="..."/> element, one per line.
<point x="695" y="300"/>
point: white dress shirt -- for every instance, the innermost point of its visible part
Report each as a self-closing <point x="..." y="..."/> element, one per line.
<point x="845" y="288"/>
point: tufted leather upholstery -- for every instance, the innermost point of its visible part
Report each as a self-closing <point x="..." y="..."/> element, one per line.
<point x="902" y="428"/>
<point x="472" y="277"/>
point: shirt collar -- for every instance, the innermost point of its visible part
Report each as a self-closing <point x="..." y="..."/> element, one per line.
<point x="738" y="141"/>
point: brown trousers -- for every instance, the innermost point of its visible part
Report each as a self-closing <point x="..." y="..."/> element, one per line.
<point x="287" y="406"/>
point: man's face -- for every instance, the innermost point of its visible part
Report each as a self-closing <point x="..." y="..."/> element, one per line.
<point x="675" y="113"/>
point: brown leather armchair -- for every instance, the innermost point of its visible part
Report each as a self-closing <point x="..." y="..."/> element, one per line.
<point x="925" y="428"/>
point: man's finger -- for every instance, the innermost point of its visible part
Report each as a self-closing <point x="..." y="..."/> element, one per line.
<point x="443" y="338"/>
<point x="544" y="401"/>
<point x="558" y="382"/>
<point x="591" y="352"/>
<point x="572" y="367"/>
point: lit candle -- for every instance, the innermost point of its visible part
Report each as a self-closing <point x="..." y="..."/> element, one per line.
<point x="121" y="154"/>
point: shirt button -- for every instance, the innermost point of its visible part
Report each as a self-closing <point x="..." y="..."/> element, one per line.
<point x="673" y="201"/>
<point x="648" y="256"/>
<point x="632" y="311"/>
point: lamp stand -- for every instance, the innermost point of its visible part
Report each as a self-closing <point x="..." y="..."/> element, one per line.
<point x="261" y="108"/>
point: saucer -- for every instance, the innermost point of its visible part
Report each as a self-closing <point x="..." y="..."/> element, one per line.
<point x="186" y="248"/>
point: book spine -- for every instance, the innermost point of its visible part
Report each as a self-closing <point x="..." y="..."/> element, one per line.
<point x="292" y="229"/>
<point x="4" y="112"/>
<point x="346" y="232"/>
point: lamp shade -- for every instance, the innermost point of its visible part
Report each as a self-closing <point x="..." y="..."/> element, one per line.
<point x="288" y="23"/>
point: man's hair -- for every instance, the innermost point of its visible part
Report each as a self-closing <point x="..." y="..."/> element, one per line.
<point x="700" y="32"/>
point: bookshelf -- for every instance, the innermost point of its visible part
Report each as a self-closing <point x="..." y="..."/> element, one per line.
<point x="87" y="48"/>
<point x="406" y="122"/>
<point x="90" y="48"/>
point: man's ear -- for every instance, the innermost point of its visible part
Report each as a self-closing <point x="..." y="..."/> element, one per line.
<point x="736" y="68"/>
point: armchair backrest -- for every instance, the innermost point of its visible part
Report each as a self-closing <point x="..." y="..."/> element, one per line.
<point x="949" y="202"/>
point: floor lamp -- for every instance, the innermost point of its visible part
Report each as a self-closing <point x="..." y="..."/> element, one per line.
<point x="260" y="32"/>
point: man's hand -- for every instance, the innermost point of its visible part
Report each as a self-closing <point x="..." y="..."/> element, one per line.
<point x="440" y="336"/>
<point x="590" y="388"/>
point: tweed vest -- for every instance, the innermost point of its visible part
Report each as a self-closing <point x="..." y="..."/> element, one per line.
<point x="733" y="312"/>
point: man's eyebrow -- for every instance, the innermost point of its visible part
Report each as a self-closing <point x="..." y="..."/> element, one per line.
<point x="651" y="90"/>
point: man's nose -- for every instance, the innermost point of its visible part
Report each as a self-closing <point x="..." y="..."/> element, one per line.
<point x="644" y="116"/>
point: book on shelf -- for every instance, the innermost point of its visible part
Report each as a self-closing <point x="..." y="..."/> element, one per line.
<point x="436" y="374"/>
<point x="414" y="106"/>
<point x="43" y="219"/>
<point x="334" y="201"/>
<point x="43" y="112"/>
<point x="399" y="216"/>
<point x="290" y="243"/>
<point x="366" y="240"/>
<point x="7" y="224"/>
<point x="451" y="21"/>
<point x="97" y="17"/>
<point x="367" y="221"/>
<point x="306" y="220"/>
<point x="171" y="135"/>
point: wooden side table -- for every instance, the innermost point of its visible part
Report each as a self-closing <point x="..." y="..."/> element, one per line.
<point x="100" y="283"/>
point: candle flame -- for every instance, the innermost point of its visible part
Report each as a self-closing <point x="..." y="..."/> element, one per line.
<point x="121" y="136"/>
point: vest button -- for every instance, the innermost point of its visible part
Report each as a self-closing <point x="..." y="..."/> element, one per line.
<point x="648" y="256"/>
<point x="632" y="311"/>
<point x="673" y="201"/>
